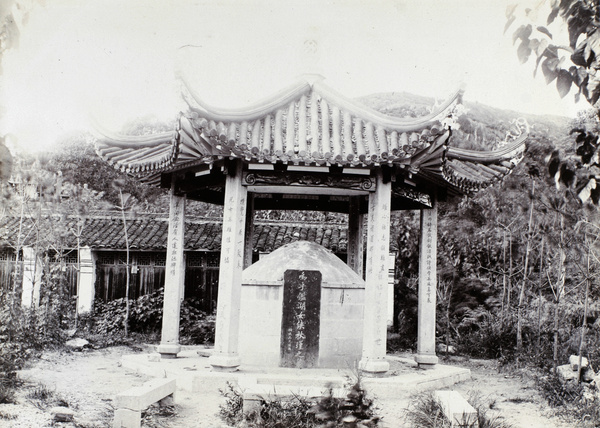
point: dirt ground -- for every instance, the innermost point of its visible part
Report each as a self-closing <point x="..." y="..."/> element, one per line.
<point x="87" y="382"/>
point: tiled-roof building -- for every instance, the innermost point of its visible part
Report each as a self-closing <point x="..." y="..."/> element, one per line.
<point x="103" y="238"/>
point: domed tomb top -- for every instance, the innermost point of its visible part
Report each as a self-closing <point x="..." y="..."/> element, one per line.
<point x="302" y="255"/>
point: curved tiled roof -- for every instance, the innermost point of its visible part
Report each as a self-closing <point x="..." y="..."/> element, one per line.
<point x="146" y="234"/>
<point x="310" y="124"/>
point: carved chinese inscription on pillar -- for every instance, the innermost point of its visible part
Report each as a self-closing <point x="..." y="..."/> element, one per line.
<point x="301" y="318"/>
<point x="429" y="242"/>
<point x="175" y="236"/>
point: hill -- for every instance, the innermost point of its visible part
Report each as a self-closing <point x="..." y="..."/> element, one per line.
<point x="481" y="127"/>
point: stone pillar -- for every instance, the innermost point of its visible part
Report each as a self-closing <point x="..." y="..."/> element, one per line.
<point x="427" y="288"/>
<point x="249" y="238"/>
<point x="355" y="236"/>
<point x="376" y="292"/>
<point x="174" y="277"/>
<point x="225" y="355"/>
<point x="85" y="298"/>
<point x="391" y="282"/>
<point x="32" y="276"/>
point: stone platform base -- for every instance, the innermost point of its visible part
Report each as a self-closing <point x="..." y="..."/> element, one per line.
<point x="194" y="373"/>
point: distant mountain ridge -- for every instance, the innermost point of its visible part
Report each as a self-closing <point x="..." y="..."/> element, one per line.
<point x="481" y="127"/>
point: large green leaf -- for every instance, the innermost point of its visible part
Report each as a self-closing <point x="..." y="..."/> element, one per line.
<point x="542" y="47"/>
<point x="549" y="69"/>
<point x="593" y="89"/>
<point x="577" y="26"/>
<point x="552" y="16"/>
<point x="545" y="31"/>
<point x="510" y="10"/>
<point x="563" y="82"/>
<point x="579" y="57"/>
<point x="509" y="22"/>
<point x="523" y="33"/>
<point x="593" y="42"/>
<point x="524" y="51"/>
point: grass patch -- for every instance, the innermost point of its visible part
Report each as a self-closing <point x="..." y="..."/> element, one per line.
<point x="40" y="393"/>
<point x="519" y="400"/>
<point x="44" y="397"/>
<point x="158" y="416"/>
<point x="425" y="411"/>
<point x="7" y="393"/>
<point x="7" y="416"/>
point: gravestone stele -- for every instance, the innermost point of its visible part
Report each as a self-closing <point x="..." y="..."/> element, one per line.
<point x="301" y="307"/>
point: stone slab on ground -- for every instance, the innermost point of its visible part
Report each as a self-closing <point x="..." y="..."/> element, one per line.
<point x="77" y="344"/>
<point x="458" y="410"/>
<point x="574" y="362"/>
<point x="62" y="414"/>
<point x="140" y="397"/>
<point x="566" y="373"/>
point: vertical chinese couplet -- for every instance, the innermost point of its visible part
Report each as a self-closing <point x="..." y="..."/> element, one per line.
<point x="300" y="324"/>
<point x="355" y="236"/>
<point x="427" y="287"/>
<point x="174" y="277"/>
<point x="230" y="272"/>
<point x="375" y="319"/>
<point x="249" y="238"/>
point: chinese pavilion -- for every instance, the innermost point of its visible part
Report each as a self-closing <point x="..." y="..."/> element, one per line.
<point x="308" y="148"/>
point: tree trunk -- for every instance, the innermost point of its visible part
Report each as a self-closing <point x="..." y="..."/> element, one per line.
<point x="448" y="318"/>
<point x="503" y="276"/>
<point x="523" y="283"/>
<point x="126" y="321"/>
<point x="559" y="291"/>
<point x="78" y="280"/>
<point x="510" y="271"/>
<point x="585" y="312"/>
<point x="539" y="311"/>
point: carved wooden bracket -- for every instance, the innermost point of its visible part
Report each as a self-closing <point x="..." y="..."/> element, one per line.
<point x="300" y="179"/>
<point x="411" y="194"/>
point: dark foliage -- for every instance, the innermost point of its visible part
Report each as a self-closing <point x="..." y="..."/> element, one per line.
<point x="300" y="412"/>
<point x="559" y="393"/>
<point x="26" y="331"/>
<point x="145" y="317"/>
<point x="79" y="164"/>
<point x="425" y="411"/>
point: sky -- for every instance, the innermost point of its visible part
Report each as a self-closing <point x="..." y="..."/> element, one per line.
<point x="112" y="61"/>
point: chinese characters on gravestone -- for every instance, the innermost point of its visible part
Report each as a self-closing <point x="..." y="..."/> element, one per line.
<point x="301" y="318"/>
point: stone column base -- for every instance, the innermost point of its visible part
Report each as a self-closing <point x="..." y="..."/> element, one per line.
<point x="168" y="350"/>
<point x="225" y="362"/>
<point x="426" y="360"/>
<point x="373" y="367"/>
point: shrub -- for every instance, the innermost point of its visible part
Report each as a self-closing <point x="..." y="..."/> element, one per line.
<point x="300" y="412"/>
<point x="232" y="411"/>
<point x="569" y="401"/>
<point x="488" y="338"/>
<point x="145" y="317"/>
<point x="559" y="393"/>
<point x="24" y="331"/>
<point x="425" y="411"/>
<point x="7" y="392"/>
